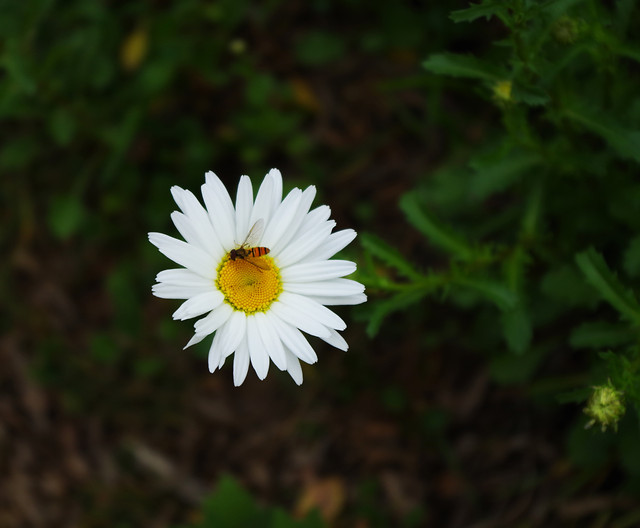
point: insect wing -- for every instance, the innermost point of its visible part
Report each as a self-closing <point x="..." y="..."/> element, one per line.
<point x="255" y="234"/>
<point x="258" y="262"/>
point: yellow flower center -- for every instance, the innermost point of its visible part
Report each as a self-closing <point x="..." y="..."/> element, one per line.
<point x="248" y="286"/>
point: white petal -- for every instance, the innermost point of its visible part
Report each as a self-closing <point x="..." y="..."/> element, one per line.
<point x="317" y="271"/>
<point x="335" y="287"/>
<point x="296" y="221"/>
<point x="182" y="277"/>
<point x="317" y="216"/>
<point x="276" y="195"/>
<point x="209" y="324"/>
<point x="173" y="291"/>
<point x="220" y="209"/>
<point x="293" y="367"/>
<point x="227" y="339"/>
<point x="337" y="241"/>
<point x="311" y="221"/>
<point x="300" y="304"/>
<point x="281" y="219"/>
<point x="257" y="351"/>
<point x="196" y="338"/>
<point x="293" y="339"/>
<point x="299" y="319"/>
<point x="199" y="218"/>
<point x="185" y="228"/>
<point x="336" y="340"/>
<point x="198" y="305"/>
<point x="312" y="238"/>
<point x="264" y="204"/>
<point x="271" y="340"/>
<point x="244" y="205"/>
<point x="241" y="363"/>
<point x="358" y="298"/>
<point x="186" y="255"/>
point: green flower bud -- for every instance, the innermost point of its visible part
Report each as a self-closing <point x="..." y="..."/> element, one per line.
<point x="605" y="406"/>
<point x="566" y="30"/>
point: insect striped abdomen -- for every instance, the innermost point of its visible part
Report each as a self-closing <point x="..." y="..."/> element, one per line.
<point x="259" y="251"/>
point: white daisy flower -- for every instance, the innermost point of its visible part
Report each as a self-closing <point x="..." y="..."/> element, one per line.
<point x="261" y="273"/>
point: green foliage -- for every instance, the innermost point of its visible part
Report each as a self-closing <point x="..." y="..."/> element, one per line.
<point x="602" y="279"/>
<point x="435" y="232"/>
<point x="230" y="506"/>
<point x="316" y="48"/>
<point x="508" y="227"/>
<point x="485" y="9"/>
<point x="461" y="66"/>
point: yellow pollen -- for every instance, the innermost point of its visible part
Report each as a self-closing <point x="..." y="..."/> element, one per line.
<point x="246" y="286"/>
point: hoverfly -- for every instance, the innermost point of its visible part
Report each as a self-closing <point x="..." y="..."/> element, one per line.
<point x="248" y="250"/>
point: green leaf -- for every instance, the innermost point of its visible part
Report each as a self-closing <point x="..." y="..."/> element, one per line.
<point x="565" y="285"/>
<point x="512" y="368"/>
<point x="389" y="255"/>
<point x="318" y="47"/>
<point x="486" y="9"/>
<point x="632" y="258"/>
<point x="496" y="292"/>
<point x="438" y="234"/>
<point x="602" y="279"/>
<point x="529" y="94"/>
<point x="231" y="506"/>
<point x="66" y="214"/>
<point x="625" y="141"/>
<point x="556" y="8"/>
<point x="260" y="90"/>
<point x="400" y="301"/>
<point x="494" y="173"/>
<point x="61" y="127"/>
<point x="600" y="334"/>
<point x="517" y="329"/>
<point x="103" y="348"/>
<point x="17" y="67"/>
<point x="461" y="66"/>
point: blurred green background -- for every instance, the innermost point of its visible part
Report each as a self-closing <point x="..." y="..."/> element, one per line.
<point x="106" y="422"/>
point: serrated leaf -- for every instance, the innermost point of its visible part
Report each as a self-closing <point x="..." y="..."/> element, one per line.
<point x="382" y="309"/>
<point x="494" y="175"/>
<point x="438" y="234"/>
<point x="600" y="334"/>
<point x="566" y="285"/>
<point x="517" y="329"/>
<point x="460" y="66"/>
<point x="625" y="141"/>
<point x="486" y="9"/>
<point x="607" y="284"/>
<point x="389" y="255"/>
<point x="529" y="94"/>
